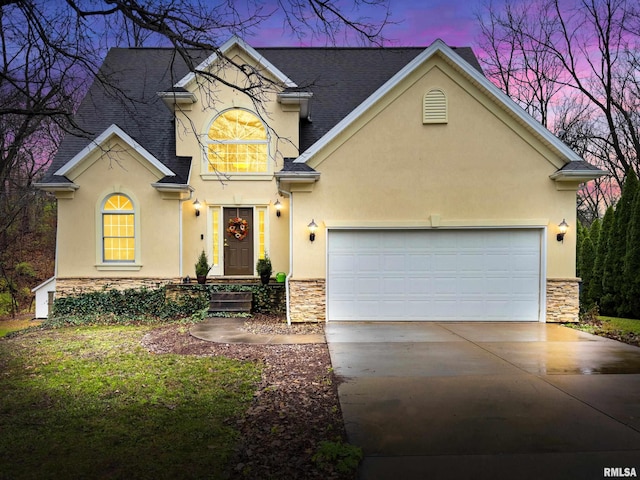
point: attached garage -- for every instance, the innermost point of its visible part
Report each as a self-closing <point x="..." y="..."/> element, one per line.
<point x="438" y="275"/>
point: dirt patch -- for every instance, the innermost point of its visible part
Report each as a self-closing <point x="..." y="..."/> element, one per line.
<point x="19" y="322"/>
<point x="295" y="407"/>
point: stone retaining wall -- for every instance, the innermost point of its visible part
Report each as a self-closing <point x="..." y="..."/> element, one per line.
<point x="563" y="300"/>
<point x="307" y="300"/>
<point x="75" y="286"/>
<point x="308" y="297"/>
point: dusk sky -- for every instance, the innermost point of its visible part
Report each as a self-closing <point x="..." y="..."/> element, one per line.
<point x="418" y="23"/>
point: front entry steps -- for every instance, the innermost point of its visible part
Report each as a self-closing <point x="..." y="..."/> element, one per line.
<point x="237" y="302"/>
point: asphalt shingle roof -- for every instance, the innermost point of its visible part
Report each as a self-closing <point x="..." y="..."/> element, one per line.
<point x="340" y="79"/>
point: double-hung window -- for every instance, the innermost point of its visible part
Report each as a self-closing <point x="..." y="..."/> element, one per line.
<point x="118" y="229"/>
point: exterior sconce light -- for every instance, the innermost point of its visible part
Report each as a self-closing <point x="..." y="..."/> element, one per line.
<point x="278" y="207"/>
<point x="562" y="229"/>
<point x="197" y="205"/>
<point x="312" y="230"/>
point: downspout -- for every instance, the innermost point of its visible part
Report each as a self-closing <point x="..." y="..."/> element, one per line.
<point x="286" y="283"/>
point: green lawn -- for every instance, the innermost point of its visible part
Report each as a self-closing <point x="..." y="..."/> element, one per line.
<point x="90" y="402"/>
<point x="628" y="325"/>
<point x="622" y="329"/>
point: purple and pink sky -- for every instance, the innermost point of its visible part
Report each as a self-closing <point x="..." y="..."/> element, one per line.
<point x="416" y="23"/>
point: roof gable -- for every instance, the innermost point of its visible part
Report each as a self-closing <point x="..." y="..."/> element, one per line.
<point x="439" y="48"/>
<point x="227" y="47"/>
<point x="78" y="164"/>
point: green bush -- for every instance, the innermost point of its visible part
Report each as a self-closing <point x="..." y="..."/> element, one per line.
<point x="5" y="303"/>
<point x="25" y="269"/>
<point x="132" y="305"/>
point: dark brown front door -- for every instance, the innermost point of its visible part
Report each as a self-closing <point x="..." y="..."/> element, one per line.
<point x="238" y="252"/>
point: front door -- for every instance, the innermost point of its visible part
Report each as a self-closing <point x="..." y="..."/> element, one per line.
<point x="238" y="244"/>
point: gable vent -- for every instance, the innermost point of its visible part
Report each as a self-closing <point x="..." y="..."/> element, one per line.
<point x="434" y="107"/>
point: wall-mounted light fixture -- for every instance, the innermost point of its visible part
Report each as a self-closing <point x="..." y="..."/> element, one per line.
<point x="197" y="205"/>
<point x="278" y="207"/>
<point x="562" y="229"/>
<point x="312" y="230"/>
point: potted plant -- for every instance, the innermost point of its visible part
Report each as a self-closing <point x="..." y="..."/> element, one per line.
<point x="202" y="268"/>
<point x="264" y="269"/>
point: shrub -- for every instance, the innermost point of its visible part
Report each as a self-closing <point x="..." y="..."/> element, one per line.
<point x="132" y="305"/>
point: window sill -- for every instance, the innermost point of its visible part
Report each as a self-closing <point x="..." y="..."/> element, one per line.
<point x="236" y="176"/>
<point x="125" y="267"/>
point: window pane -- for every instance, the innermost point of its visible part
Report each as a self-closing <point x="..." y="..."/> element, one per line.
<point x="118" y="236"/>
<point x="216" y="235"/>
<point x="261" y="245"/>
<point x="118" y="202"/>
<point x="239" y="143"/>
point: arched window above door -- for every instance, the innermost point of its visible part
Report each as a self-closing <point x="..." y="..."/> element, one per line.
<point x="237" y="142"/>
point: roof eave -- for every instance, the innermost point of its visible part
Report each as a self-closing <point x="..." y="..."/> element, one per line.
<point x="57" y="186"/>
<point x="298" y="177"/>
<point x="171" y="99"/>
<point x="224" y="48"/>
<point x="579" y="176"/>
<point x="104" y="136"/>
<point x="438" y="47"/>
<point x="303" y="99"/>
<point x="172" y="187"/>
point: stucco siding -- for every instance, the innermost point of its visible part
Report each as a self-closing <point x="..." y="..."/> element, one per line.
<point x="117" y="169"/>
<point x="476" y="170"/>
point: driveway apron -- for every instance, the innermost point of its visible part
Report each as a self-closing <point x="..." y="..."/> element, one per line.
<point x="487" y="400"/>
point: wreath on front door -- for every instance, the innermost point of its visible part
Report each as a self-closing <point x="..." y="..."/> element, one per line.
<point x="238" y="228"/>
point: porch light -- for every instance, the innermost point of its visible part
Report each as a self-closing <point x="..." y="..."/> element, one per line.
<point x="562" y="229"/>
<point x="197" y="205"/>
<point x="278" y="207"/>
<point x="312" y="230"/>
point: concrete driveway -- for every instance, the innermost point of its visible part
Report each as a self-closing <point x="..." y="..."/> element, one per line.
<point x="487" y="400"/>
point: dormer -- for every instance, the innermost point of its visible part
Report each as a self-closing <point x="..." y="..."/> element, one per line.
<point x="237" y="54"/>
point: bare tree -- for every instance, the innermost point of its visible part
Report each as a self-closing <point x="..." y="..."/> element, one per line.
<point x="52" y="51"/>
<point x="514" y="58"/>
<point x="591" y="50"/>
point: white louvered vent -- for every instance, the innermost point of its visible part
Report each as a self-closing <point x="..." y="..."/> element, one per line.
<point x="434" y="107"/>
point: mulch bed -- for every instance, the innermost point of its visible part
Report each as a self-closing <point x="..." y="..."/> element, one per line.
<point x="295" y="407"/>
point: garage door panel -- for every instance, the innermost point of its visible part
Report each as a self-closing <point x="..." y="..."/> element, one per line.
<point x="434" y="275"/>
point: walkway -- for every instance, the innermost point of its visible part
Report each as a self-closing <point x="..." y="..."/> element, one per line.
<point x="229" y="330"/>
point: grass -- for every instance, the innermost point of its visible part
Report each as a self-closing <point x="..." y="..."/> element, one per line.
<point x="622" y="329"/>
<point x="628" y="325"/>
<point x="90" y="402"/>
<point x="14" y="325"/>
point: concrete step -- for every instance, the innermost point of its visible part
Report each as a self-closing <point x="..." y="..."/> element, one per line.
<point x="230" y="302"/>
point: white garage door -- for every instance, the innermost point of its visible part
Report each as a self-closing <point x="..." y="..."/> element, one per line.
<point x="434" y="275"/>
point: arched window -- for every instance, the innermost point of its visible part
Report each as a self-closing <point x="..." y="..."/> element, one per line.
<point x="237" y="143"/>
<point x="118" y="229"/>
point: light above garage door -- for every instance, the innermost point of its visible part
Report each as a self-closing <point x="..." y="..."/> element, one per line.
<point x="439" y="275"/>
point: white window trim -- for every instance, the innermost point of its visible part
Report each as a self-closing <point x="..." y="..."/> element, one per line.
<point x="205" y="174"/>
<point x="101" y="264"/>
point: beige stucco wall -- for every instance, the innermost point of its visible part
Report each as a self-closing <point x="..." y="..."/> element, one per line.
<point x="116" y="168"/>
<point x="213" y="192"/>
<point x="479" y="169"/>
<point x="170" y="235"/>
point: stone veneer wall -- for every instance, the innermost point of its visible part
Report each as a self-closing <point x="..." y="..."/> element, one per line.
<point x="75" y="286"/>
<point x="307" y="300"/>
<point x="563" y="300"/>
